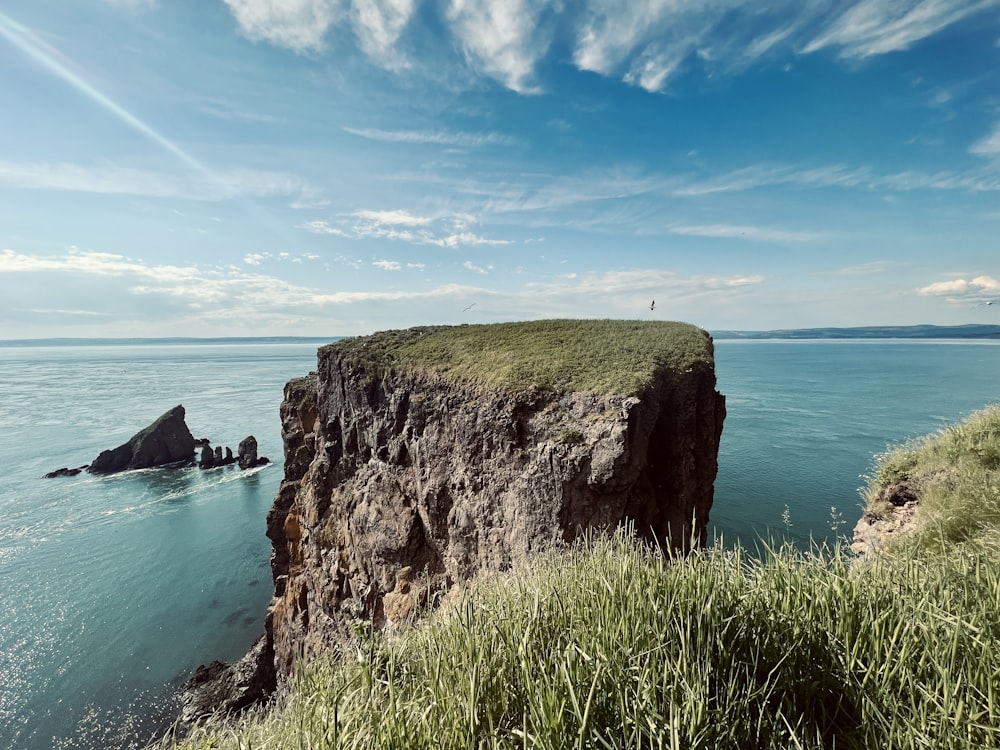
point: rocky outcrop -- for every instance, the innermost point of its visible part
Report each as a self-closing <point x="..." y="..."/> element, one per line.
<point x="892" y="514"/>
<point x="398" y="481"/>
<point x="247" y="453"/>
<point x="166" y="441"/>
<point x="227" y="689"/>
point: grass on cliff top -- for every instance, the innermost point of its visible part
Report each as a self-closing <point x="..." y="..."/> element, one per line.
<point x="612" y="645"/>
<point x="956" y="474"/>
<point x="604" y="356"/>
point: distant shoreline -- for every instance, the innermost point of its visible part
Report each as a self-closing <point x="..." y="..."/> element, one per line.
<point x="170" y="340"/>
<point x="973" y="331"/>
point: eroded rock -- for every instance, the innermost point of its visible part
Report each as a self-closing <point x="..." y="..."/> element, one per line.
<point x="166" y="441"/>
<point x="398" y="475"/>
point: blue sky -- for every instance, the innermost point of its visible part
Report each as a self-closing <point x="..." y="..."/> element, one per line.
<point x="334" y="167"/>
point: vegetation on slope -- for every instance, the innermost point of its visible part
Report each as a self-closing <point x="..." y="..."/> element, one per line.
<point x="612" y="645"/>
<point x="605" y="356"/>
<point x="955" y="473"/>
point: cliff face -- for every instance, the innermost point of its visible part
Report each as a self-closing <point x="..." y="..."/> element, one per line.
<point x="400" y="482"/>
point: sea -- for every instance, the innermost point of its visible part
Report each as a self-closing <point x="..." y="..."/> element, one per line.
<point x="114" y="589"/>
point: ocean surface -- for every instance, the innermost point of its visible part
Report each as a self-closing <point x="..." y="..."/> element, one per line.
<point x="115" y="588"/>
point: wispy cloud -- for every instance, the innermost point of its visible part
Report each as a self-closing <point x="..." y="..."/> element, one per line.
<point x="378" y="25"/>
<point x="865" y="269"/>
<point x="434" y="137"/>
<point x="504" y="40"/>
<point x="839" y="176"/>
<point x="745" y="232"/>
<point x="644" y="42"/>
<point x="113" y="179"/>
<point x="442" y="231"/>
<point x="66" y="313"/>
<point x="387" y="265"/>
<point x="395" y="218"/>
<point x="300" y="25"/>
<point x="201" y="287"/>
<point x="988" y="145"/>
<point x="875" y="27"/>
<point x="229" y="112"/>
<point x="470" y="266"/>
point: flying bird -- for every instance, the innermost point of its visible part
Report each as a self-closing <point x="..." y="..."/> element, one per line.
<point x="652" y="305"/>
<point x="469" y="307"/>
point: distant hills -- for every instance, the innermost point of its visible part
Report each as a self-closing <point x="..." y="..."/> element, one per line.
<point x="171" y="340"/>
<point x="971" y="331"/>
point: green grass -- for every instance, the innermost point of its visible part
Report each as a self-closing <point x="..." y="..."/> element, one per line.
<point x="956" y="473"/>
<point x="612" y="645"/>
<point x="605" y="356"/>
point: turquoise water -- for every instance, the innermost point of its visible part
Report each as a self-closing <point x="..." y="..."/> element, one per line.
<point x="114" y="589"/>
<point x="806" y="418"/>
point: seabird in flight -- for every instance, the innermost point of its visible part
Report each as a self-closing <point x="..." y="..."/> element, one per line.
<point x="652" y="305"/>
<point x="469" y="307"/>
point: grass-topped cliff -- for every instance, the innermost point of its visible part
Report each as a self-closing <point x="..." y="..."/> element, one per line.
<point x="612" y="645"/>
<point x="606" y="356"/>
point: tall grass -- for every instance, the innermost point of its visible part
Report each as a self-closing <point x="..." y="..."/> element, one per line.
<point x="612" y="645"/>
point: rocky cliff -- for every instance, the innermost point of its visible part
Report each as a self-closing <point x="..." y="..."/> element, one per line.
<point x="416" y="459"/>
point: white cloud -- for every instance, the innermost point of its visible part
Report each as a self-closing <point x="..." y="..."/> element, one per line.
<point x="464" y="238"/>
<point x="254" y="259"/>
<point x="469" y="265"/>
<point x="322" y="227"/>
<point x="988" y="145"/>
<point x="403" y="226"/>
<point x="962" y="290"/>
<point x="501" y="38"/>
<point x="378" y="25"/>
<point x="90" y="262"/>
<point x="387" y="265"/>
<point x="299" y="25"/>
<point x="743" y="232"/>
<point x="435" y="137"/>
<point x="394" y="218"/>
<point x="645" y="42"/>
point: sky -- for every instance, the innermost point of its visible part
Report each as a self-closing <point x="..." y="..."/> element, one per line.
<point x="338" y="167"/>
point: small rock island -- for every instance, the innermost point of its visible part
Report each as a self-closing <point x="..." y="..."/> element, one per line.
<point x="167" y="442"/>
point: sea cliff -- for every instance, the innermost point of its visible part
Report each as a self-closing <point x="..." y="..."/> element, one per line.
<point x="416" y="459"/>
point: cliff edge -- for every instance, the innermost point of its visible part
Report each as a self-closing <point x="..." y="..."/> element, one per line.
<point x="415" y="459"/>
